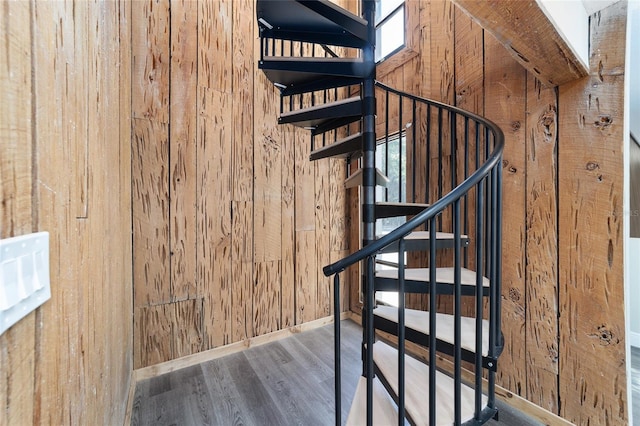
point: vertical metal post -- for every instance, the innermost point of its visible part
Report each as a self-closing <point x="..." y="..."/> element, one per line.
<point x="336" y="349"/>
<point x="368" y="188"/>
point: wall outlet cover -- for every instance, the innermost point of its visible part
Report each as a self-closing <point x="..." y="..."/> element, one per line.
<point x="24" y="276"/>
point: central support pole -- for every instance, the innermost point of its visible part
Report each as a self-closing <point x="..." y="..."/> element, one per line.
<point x="369" y="192"/>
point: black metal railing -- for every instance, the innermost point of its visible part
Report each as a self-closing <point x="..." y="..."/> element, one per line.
<point x="456" y="168"/>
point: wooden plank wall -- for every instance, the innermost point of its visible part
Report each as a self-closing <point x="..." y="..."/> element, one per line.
<point x="65" y="168"/>
<point x="562" y="257"/>
<point x="231" y="222"/>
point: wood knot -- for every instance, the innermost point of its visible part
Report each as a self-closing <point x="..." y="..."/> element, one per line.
<point x="515" y="126"/>
<point x="603" y="122"/>
<point x="510" y="169"/>
<point x="514" y="294"/>
<point x="548" y="123"/>
<point x="605" y="336"/>
<point x="591" y="166"/>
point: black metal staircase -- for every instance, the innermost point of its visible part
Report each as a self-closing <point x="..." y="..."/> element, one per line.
<point x="449" y="246"/>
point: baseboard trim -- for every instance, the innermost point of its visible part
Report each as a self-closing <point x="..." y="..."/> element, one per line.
<point x="525" y="406"/>
<point x="634" y="339"/>
<point x="200" y="357"/>
<point x="132" y="393"/>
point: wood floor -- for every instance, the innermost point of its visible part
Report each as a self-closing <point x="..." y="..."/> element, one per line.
<point x="288" y="382"/>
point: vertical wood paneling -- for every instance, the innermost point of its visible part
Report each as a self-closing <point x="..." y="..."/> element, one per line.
<point x="542" y="246"/>
<point x="592" y="383"/>
<point x="267" y="301"/>
<point x="71" y="177"/>
<point x="469" y="95"/>
<point x="306" y="277"/>
<point x="15" y="117"/>
<point x="214" y="214"/>
<point x="18" y="344"/>
<point x="152" y="343"/>
<point x="182" y="149"/>
<point x="187" y="328"/>
<point x="324" y="298"/>
<point x="150" y="212"/>
<point x="53" y="196"/>
<point x="505" y="91"/>
<point x="150" y="104"/>
<point x="150" y="66"/>
<point x="242" y="273"/>
<point x="242" y="169"/>
<point x="339" y="225"/>
<point x="288" y="277"/>
<point x="243" y="65"/>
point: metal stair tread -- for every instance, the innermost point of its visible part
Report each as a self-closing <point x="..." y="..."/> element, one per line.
<point x="396" y="209"/>
<point x="322" y="114"/>
<point x="319" y="21"/>
<point x="418" y="240"/>
<point x="385" y="410"/>
<point x="419" y="321"/>
<point x="417" y="388"/>
<point x="299" y="74"/>
<point x="346" y="147"/>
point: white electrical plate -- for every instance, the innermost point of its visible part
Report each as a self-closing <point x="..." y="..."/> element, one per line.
<point x="24" y="276"/>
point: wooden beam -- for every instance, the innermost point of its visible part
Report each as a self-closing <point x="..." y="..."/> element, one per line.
<point x="530" y="36"/>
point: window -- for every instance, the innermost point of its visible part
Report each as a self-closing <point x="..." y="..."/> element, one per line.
<point x="390" y="28"/>
<point x="391" y="159"/>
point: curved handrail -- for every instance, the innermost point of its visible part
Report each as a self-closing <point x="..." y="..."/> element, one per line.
<point x="437" y="207"/>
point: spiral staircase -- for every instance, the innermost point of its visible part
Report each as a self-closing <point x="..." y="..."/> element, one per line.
<point x="446" y="253"/>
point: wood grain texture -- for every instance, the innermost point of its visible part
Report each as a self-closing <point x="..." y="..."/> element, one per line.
<point x="182" y="149"/>
<point x="71" y="177"/>
<point x="288" y="244"/>
<point x="469" y="95"/>
<point x="530" y="37"/>
<point x="150" y="108"/>
<point x="243" y="100"/>
<point x="505" y="91"/>
<point x="542" y="245"/>
<point x="242" y="272"/>
<point x="267" y="303"/>
<point x="16" y="172"/>
<point x="324" y="299"/>
<point x="592" y="381"/>
<point x="18" y="343"/>
<point x="214" y="214"/>
<point x="306" y="277"/>
<point x="150" y="211"/>
<point x="242" y="181"/>
<point x="267" y="194"/>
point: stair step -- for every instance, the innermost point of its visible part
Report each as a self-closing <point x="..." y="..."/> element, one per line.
<point x="419" y="241"/>
<point x="386" y="209"/>
<point x="417" y="281"/>
<point x="351" y="146"/>
<point x="417" y="388"/>
<point x="301" y="75"/>
<point x="356" y="179"/>
<point x="385" y="410"/>
<point x="418" y="321"/>
<point x="325" y="117"/>
<point x="318" y="21"/>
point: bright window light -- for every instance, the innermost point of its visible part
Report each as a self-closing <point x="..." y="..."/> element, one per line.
<point x="389" y="27"/>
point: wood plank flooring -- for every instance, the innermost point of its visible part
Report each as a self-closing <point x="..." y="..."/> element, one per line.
<point x="287" y="382"/>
